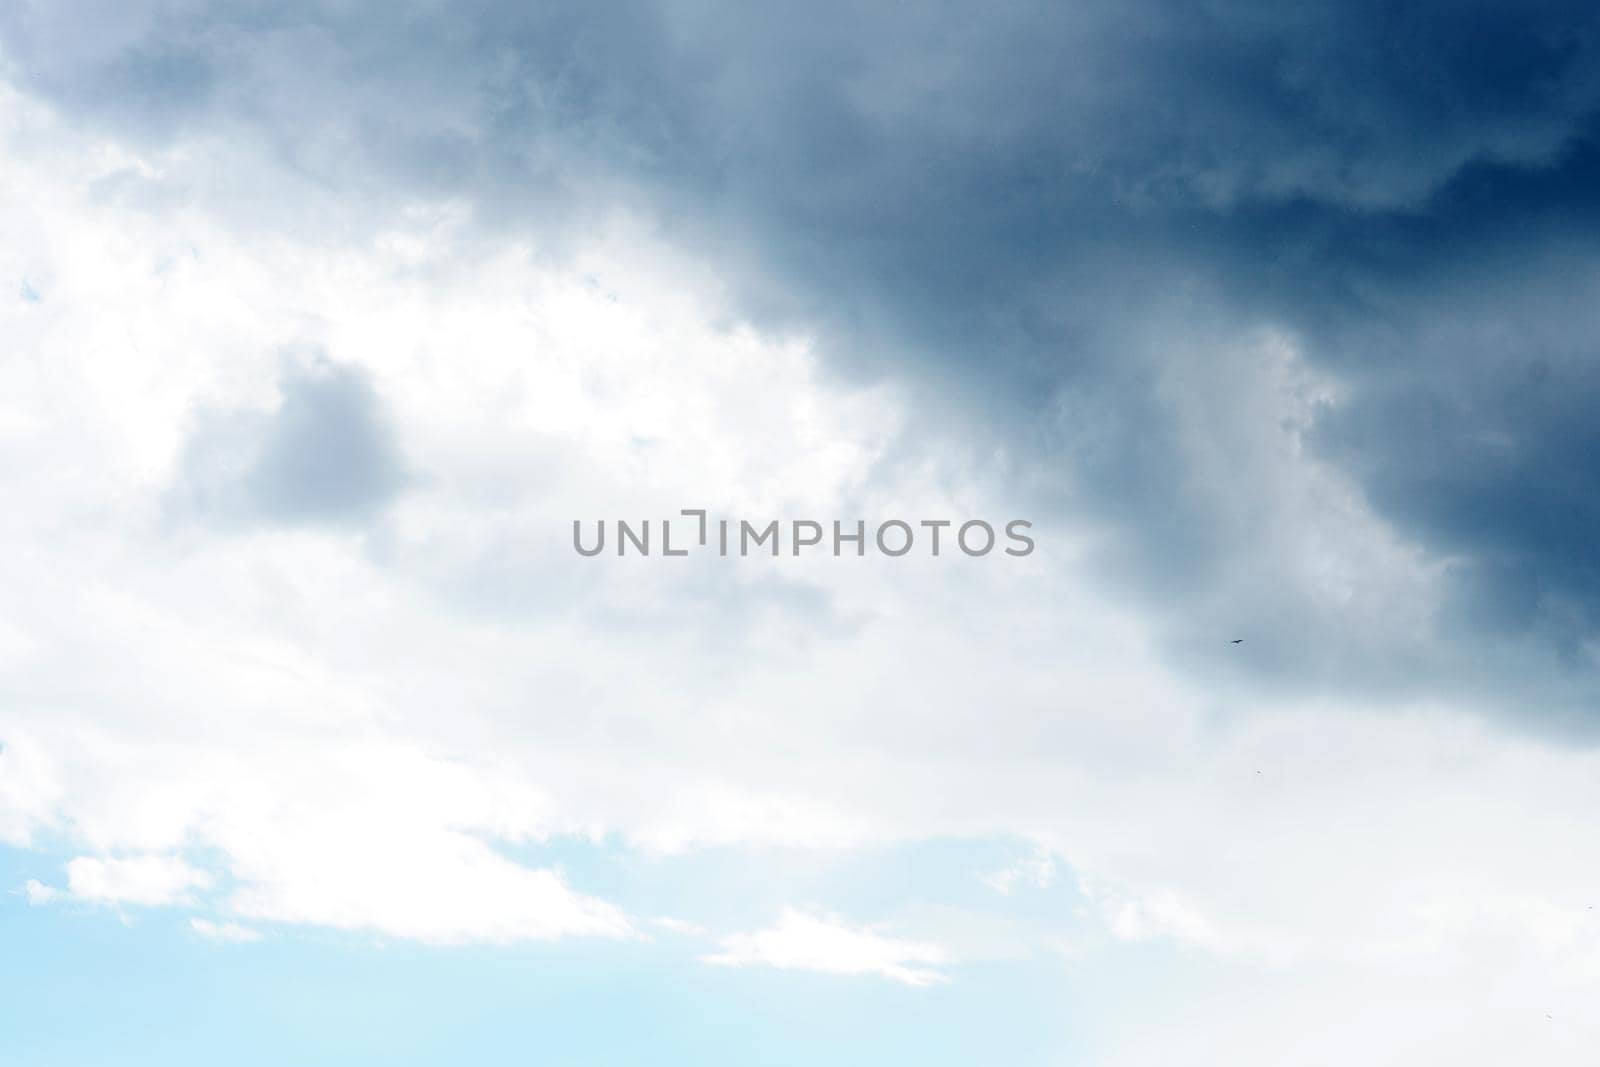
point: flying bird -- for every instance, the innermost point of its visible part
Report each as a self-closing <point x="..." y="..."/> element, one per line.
<point x="1237" y="641"/>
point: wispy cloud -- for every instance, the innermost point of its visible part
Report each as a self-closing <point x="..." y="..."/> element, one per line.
<point x="1037" y="871"/>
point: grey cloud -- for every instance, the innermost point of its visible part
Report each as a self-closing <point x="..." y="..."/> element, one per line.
<point x="324" y="455"/>
<point x="1061" y="215"/>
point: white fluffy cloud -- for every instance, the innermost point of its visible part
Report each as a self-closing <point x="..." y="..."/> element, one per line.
<point x="803" y="941"/>
<point x="226" y="932"/>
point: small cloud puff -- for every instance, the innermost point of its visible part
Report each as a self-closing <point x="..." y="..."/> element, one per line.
<point x="806" y="942"/>
<point x="38" y="893"/>
<point x="230" y="933"/>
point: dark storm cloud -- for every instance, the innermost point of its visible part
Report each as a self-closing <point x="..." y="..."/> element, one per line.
<point x="324" y="455"/>
<point x="1059" y="213"/>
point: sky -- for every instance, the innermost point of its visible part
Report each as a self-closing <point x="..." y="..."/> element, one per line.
<point x="321" y="324"/>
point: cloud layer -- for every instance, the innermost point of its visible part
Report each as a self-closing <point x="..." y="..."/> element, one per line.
<point x="327" y="323"/>
<point x="1067" y="224"/>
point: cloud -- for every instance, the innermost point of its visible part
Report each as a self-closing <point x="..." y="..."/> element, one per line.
<point x="1277" y="334"/>
<point x="1071" y="256"/>
<point x="1037" y="872"/>
<point x="437" y="888"/>
<point x="365" y="730"/>
<point x="38" y="893"/>
<point x="802" y="941"/>
<point x="679" y="927"/>
<point x="27" y="791"/>
<point x="145" y="880"/>
<point x="226" y="932"/>
<point x="324" y="454"/>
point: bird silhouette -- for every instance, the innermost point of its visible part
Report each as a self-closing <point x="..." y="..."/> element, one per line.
<point x="1237" y="641"/>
